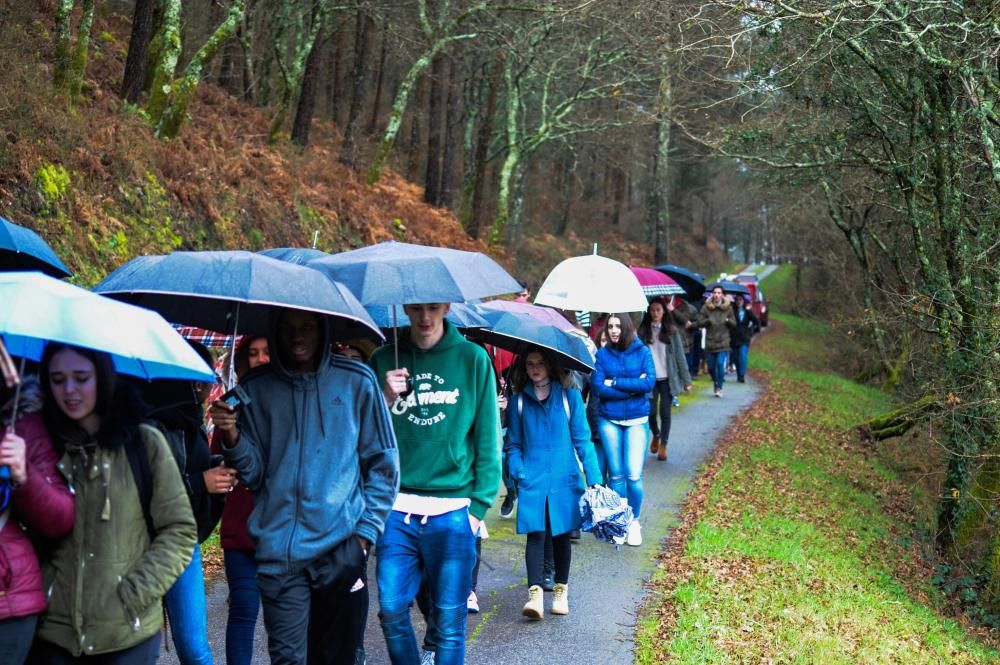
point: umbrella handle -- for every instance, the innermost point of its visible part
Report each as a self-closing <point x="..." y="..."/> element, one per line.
<point x="13" y="411"/>
<point x="395" y="336"/>
<point x="232" y="352"/>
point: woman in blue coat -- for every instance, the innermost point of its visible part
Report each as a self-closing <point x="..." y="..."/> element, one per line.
<point x="547" y="429"/>
<point x="623" y="377"/>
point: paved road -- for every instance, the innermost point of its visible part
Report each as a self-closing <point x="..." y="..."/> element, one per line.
<point x="606" y="586"/>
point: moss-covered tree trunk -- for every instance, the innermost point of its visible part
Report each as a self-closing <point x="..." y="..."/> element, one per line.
<point x="170" y="121"/>
<point x="64" y="44"/>
<point x="81" y="51"/>
<point x="168" y="50"/>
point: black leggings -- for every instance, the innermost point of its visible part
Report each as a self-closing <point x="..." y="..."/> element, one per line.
<point x="661" y="393"/>
<point x="534" y="554"/>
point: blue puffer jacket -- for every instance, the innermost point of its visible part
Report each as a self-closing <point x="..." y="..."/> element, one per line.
<point x="633" y="375"/>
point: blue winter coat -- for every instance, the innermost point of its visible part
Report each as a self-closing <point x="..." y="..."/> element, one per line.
<point x="628" y="396"/>
<point x="542" y="460"/>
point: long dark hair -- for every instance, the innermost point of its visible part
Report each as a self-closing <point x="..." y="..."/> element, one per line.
<point x="627" y="335"/>
<point x="645" y="331"/>
<point x="519" y="373"/>
<point x="118" y="404"/>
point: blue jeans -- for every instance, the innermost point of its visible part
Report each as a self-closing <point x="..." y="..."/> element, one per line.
<point x="443" y="548"/>
<point x="185" y="602"/>
<point x="244" y="604"/>
<point x="742" y="354"/>
<point x="717" y="367"/>
<point x="625" y="448"/>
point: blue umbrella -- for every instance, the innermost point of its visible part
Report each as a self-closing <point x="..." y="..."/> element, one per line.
<point x="691" y="282"/>
<point x="397" y="273"/>
<point x="731" y="287"/>
<point x="300" y="255"/>
<point x="39" y="309"/>
<point x="462" y="316"/>
<point x="230" y="291"/>
<point x="23" y="249"/>
<point x="518" y="331"/>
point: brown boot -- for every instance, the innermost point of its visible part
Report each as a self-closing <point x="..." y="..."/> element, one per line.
<point x="654" y="444"/>
<point x="661" y="454"/>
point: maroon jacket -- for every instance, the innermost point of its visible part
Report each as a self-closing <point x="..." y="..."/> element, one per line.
<point x="233" y="533"/>
<point x="45" y="505"/>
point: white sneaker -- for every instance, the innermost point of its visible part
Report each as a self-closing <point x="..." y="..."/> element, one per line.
<point x="427" y="658"/>
<point x="472" y="603"/>
<point x="634" y="535"/>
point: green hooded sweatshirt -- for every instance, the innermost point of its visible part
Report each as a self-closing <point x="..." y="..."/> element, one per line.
<point x="448" y="427"/>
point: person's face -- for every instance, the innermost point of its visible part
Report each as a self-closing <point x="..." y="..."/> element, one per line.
<point x="656" y="312"/>
<point x="298" y="335"/>
<point x="73" y="380"/>
<point x="717" y="294"/>
<point x="350" y="352"/>
<point x="534" y="364"/>
<point x="614" y="329"/>
<point x="602" y="338"/>
<point x="258" y="353"/>
<point x="426" y="319"/>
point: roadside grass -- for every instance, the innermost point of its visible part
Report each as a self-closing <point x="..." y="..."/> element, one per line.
<point x="803" y="549"/>
<point x="779" y="287"/>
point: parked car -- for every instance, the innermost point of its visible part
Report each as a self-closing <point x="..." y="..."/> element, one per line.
<point x="747" y="278"/>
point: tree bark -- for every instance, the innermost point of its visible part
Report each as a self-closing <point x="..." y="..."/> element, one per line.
<point x="478" y="213"/>
<point x="336" y="90"/>
<point x="565" y="194"/>
<point x="138" y="48"/>
<point x="435" y="130"/>
<point x="452" y="119"/>
<point x="364" y="24"/>
<point x="307" y="95"/>
<point x="379" y="81"/>
<point x="416" y="133"/>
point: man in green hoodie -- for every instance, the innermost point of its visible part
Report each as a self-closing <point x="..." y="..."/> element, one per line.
<point x="443" y="400"/>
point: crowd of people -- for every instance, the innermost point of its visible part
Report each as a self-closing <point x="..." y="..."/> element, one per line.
<point x="326" y="452"/>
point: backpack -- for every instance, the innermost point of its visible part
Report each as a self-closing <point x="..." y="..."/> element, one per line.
<point x="520" y="405"/>
<point x="142" y="474"/>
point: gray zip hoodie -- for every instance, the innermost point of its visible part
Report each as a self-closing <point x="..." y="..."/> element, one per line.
<point x="318" y="450"/>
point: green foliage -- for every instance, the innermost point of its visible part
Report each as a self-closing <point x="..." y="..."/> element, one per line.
<point x="795" y="557"/>
<point x="53" y="182"/>
<point x="256" y="239"/>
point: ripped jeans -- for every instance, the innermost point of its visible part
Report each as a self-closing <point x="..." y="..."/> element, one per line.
<point x="625" y="448"/>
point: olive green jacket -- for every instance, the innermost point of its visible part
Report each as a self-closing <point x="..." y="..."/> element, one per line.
<point x="106" y="580"/>
<point x="716" y="319"/>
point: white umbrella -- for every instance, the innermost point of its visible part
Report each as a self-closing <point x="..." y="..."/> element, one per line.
<point x="592" y="283"/>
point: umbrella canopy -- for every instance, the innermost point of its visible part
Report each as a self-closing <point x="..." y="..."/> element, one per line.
<point x="229" y="291"/>
<point x="23" y="249"/>
<point x="462" y="316"/>
<point x="518" y="331"/>
<point x="543" y="314"/>
<point x="655" y="283"/>
<point x="592" y="283"/>
<point x="691" y="282"/>
<point x="731" y="287"/>
<point x="299" y="255"/>
<point x="398" y="273"/>
<point x="605" y="514"/>
<point x="39" y="309"/>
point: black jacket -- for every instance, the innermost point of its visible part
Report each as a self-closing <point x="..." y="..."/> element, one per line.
<point x="744" y="330"/>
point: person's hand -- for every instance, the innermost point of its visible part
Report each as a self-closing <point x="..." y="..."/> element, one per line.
<point x="687" y="389"/>
<point x="223" y="415"/>
<point x="474" y="523"/>
<point x="12" y="454"/>
<point x="608" y="382"/>
<point x="366" y="547"/>
<point x="670" y="305"/>
<point x="395" y="383"/>
<point x="502" y="401"/>
<point x="219" y="479"/>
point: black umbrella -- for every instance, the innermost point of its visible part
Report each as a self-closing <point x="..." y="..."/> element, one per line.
<point x="691" y="282"/>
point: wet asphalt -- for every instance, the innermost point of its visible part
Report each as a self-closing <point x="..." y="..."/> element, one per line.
<point x="606" y="585"/>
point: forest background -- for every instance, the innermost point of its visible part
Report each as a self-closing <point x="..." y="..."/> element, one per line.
<point x="858" y="139"/>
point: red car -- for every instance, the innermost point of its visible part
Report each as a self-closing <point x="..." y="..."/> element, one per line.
<point x="758" y="303"/>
